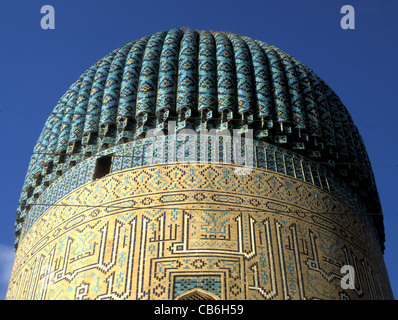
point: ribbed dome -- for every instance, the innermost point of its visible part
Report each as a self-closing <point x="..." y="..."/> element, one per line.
<point x="202" y="79"/>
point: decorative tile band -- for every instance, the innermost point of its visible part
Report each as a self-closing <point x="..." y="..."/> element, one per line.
<point x="164" y="231"/>
<point x="163" y="149"/>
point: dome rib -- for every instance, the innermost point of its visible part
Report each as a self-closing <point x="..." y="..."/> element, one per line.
<point x="225" y="75"/>
<point x="341" y="146"/>
<point x="128" y="91"/>
<point x="244" y="75"/>
<point x="310" y="106"/>
<point x="294" y="90"/>
<point x="187" y="74"/>
<point x="168" y="74"/>
<point x="281" y="112"/>
<point x="147" y="87"/>
<point x="67" y="120"/>
<point x="207" y="75"/>
<point x="79" y="116"/>
<point x="112" y="87"/>
<point x="263" y="90"/>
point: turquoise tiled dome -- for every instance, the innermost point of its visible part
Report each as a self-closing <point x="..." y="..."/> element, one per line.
<point x="201" y="79"/>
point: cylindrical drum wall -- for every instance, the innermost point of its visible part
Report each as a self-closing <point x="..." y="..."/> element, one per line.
<point x="165" y="231"/>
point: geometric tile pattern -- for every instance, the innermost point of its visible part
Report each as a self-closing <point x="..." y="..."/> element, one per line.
<point x="185" y="283"/>
<point x="152" y="232"/>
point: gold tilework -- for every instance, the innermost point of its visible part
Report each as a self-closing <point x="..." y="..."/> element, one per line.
<point x="154" y="232"/>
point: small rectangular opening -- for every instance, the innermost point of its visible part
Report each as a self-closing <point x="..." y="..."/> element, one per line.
<point x="102" y="166"/>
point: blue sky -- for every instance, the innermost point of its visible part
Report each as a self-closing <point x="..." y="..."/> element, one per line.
<point x="37" y="66"/>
